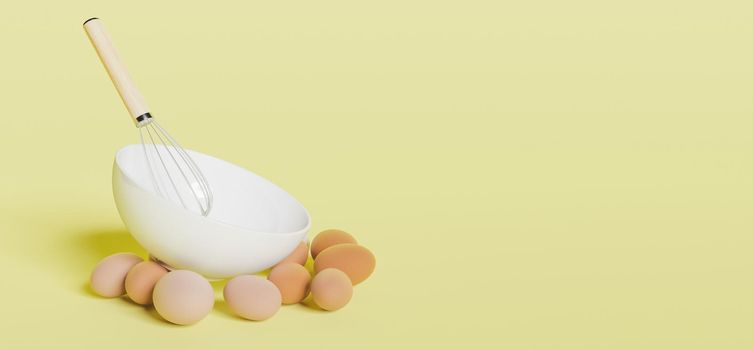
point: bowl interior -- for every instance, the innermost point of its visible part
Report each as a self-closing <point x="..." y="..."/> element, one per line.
<point x="241" y="198"/>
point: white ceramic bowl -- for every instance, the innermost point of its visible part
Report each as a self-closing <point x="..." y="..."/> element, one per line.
<point x="253" y="223"/>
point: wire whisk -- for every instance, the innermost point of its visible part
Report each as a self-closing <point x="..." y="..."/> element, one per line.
<point x="174" y="173"/>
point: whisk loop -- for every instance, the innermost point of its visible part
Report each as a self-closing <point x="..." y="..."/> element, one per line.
<point x="174" y="173"/>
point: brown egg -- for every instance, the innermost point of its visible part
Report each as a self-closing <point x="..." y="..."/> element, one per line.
<point x="355" y="260"/>
<point x="331" y="289"/>
<point x="292" y="280"/>
<point x="298" y="256"/>
<point x="328" y="238"/>
<point x="183" y="297"/>
<point x="140" y="281"/>
<point x="108" y="278"/>
<point x="252" y="297"/>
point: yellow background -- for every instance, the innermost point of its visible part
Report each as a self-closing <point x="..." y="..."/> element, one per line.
<point x="530" y="174"/>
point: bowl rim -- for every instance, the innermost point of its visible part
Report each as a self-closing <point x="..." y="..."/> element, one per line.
<point x="130" y="180"/>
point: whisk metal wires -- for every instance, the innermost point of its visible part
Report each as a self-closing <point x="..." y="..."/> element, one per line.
<point x="174" y="173"/>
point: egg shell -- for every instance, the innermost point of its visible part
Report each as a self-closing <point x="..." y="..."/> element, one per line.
<point x="356" y="261"/>
<point x="292" y="280"/>
<point x="183" y="297"/>
<point x="298" y="256"/>
<point x="328" y="238"/>
<point x="108" y="277"/>
<point x="140" y="281"/>
<point x="252" y="297"/>
<point x="331" y="289"/>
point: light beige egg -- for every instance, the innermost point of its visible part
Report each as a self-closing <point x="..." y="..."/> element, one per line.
<point x="292" y="280"/>
<point x="183" y="297"/>
<point x="252" y="297"/>
<point x="108" y="277"/>
<point x="331" y="289"/>
<point x="328" y="238"/>
<point x="298" y="256"/>
<point x="356" y="261"/>
<point x="140" y="281"/>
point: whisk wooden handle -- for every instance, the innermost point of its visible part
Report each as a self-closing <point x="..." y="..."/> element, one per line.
<point x="116" y="69"/>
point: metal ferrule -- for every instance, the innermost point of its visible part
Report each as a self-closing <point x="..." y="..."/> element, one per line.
<point x="143" y="120"/>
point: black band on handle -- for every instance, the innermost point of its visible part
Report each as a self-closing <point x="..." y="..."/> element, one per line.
<point x="143" y="117"/>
